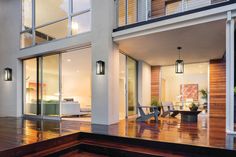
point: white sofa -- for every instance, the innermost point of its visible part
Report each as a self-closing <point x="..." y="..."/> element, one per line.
<point x="69" y="108"/>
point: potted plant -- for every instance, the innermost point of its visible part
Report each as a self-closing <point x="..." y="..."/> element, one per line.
<point x="193" y="107"/>
<point x="155" y="103"/>
<point x="204" y="95"/>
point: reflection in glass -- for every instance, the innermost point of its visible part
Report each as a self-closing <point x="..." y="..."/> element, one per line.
<point x="51" y="32"/>
<point x="81" y="5"/>
<point x="173" y="7"/>
<point x="50" y="10"/>
<point x="81" y="23"/>
<point x="132" y="86"/>
<point x="122" y="83"/>
<point x="26" y="14"/>
<point x="76" y="82"/>
<point x="129" y="10"/>
<point x="132" y="11"/>
<point x="26" y="39"/>
<point x="50" y="85"/>
<point x="30" y="86"/>
<point x="122" y="12"/>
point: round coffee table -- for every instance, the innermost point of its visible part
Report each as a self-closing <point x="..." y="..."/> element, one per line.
<point x="189" y="116"/>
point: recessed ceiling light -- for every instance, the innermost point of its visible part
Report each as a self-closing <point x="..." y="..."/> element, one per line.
<point x="77" y="71"/>
<point x="68" y="60"/>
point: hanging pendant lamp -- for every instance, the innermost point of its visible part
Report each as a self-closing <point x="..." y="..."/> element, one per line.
<point x="179" y="64"/>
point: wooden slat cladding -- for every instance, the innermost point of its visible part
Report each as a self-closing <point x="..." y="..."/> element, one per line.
<point x="131" y="14"/>
<point x="217" y="88"/>
<point x="157" y="8"/>
<point x="155" y="81"/>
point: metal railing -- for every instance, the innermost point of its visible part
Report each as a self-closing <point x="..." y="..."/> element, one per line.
<point x="133" y="11"/>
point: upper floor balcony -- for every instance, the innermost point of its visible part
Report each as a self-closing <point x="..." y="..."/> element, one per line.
<point x="141" y="11"/>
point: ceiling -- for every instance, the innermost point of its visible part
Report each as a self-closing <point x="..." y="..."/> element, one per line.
<point x="200" y="43"/>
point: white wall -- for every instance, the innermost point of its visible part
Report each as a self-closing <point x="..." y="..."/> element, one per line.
<point x="105" y="88"/>
<point x="10" y="92"/>
<point x="144" y="83"/>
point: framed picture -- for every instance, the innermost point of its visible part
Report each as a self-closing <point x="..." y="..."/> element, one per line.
<point x="189" y="91"/>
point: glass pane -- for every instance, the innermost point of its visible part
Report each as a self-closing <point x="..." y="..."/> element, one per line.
<point x="26" y="39"/>
<point x="26" y="14"/>
<point x="173" y="7"/>
<point x="193" y="4"/>
<point x="50" y="10"/>
<point x="81" y="5"/>
<point x="50" y="85"/>
<point x="51" y="32"/>
<point x="81" y="23"/>
<point x="132" y="11"/>
<point x="30" y="87"/>
<point x="122" y="83"/>
<point x="121" y="12"/>
<point x="76" y="83"/>
<point x="132" y="86"/>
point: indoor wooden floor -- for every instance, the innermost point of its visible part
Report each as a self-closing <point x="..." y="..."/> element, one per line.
<point x="207" y="132"/>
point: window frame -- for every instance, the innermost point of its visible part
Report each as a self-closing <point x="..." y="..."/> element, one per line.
<point x="69" y="17"/>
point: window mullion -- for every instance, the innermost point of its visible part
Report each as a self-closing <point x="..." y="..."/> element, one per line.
<point x="70" y="18"/>
<point x="33" y="22"/>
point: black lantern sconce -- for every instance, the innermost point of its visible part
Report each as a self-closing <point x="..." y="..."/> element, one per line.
<point x="8" y="74"/>
<point x="100" y="65"/>
<point x="179" y="64"/>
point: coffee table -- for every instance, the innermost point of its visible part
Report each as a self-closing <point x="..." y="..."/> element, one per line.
<point x="189" y="116"/>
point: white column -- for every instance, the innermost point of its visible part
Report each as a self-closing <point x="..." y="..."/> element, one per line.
<point x="229" y="74"/>
<point x="105" y="88"/>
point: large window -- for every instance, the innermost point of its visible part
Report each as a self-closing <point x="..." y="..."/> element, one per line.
<point x="58" y="85"/>
<point x="47" y="20"/>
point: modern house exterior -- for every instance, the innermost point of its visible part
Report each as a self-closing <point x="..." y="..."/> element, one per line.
<point x="69" y="57"/>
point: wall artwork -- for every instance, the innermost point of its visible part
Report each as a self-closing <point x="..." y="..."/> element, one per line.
<point x="189" y="91"/>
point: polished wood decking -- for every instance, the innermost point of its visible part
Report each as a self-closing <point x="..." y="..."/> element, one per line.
<point x="207" y="132"/>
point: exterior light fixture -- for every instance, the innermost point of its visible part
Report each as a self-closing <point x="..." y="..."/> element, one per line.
<point x="179" y="64"/>
<point x="100" y="65"/>
<point x="8" y="74"/>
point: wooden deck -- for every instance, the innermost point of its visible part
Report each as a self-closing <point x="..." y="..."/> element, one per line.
<point x="16" y="132"/>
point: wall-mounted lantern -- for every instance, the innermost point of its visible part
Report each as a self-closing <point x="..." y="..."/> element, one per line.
<point x="179" y="64"/>
<point x="8" y="74"/>
<point x="100" y="65"/>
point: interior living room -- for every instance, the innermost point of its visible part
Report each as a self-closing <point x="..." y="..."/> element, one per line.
<point x="59" y="85"/>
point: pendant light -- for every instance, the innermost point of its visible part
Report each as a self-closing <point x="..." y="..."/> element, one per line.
<point x="179" y="64"/>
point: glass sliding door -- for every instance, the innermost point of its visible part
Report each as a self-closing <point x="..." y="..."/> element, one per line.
<point x="76" y="83"/>
<point x="132" y="86"/>
<point x="41" y="86"/>
<point x="122" y="86"/>
<point x="31" y="106"/>
<point x="50" y="85"/>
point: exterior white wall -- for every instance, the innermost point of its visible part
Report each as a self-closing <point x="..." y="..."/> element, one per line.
<point x="105" y="88"/>
<point x="10" y="92"/>
<point x="144" y="83"/>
